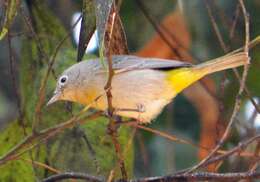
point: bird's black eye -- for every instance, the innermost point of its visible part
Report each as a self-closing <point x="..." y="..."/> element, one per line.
<point x="63" y="79"/>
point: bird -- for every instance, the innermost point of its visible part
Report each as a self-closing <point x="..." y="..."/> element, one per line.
<point x="141" y="87"/>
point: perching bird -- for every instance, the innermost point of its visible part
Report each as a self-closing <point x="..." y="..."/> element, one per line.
<point x="141" y="87"/>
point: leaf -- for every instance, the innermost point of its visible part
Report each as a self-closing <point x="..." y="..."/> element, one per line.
<point x="110" y="29"/>
<point x="68" y="150"/>
<point x="102" y="12"/>
<point x="10" y="13"/>
<point x="117" y="43"/>
<point x="88" y="25"/>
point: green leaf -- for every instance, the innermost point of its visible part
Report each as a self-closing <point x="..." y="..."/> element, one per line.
<point x="10" y="13"/>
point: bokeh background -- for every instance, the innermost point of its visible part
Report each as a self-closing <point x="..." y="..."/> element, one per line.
<point x="153" y="154"/>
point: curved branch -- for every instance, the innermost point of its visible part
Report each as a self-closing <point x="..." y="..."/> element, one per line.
<point x="72" y="175"/>
<point x="198" y="176"/>
<point x="202" y="176"/>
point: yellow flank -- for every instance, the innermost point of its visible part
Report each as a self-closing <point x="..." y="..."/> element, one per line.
<point x="181" y="78"/>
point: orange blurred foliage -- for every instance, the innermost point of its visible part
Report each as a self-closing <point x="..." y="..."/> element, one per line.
<point x="200" y="94"/>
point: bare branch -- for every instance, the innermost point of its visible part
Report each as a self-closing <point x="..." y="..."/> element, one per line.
<point x="199" y="176"/>
<point x="72" y="175"/>
<point x="234" y="22"/>
<point x="39" y="164"/>
<point x="238" y="98"/>
<point x="184" y="141"/>
<point x="45" y="78"/>
<point x="36" y="138"/>
<point x="108" y="87"/>
<point x="215" y="27"/>
<point x="14" y="80"/>
<point x="179" y="176"/>
<point x="158" y="29"/>
<point x="202" y="176"/>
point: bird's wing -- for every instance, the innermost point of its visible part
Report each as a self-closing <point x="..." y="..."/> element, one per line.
<point x="126" y="62"/>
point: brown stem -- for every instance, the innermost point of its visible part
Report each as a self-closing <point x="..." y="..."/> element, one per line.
<point x="108" y="87"/>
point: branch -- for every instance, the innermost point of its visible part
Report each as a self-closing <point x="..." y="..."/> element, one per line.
<point x="12" y="70"/>
<point x="109" y="33"/>
<point x="187" y="142"/>
<point x="44" y="80"/>
<point x="237" y="149"/>
<point x="238" y="97"/>
<point x="202" y="176"/>
<point x="199" y="176"/>
<point x="159" y="30"/>
<point x="72" y="175"/>
<point x="35" y="36"/>
<point x="216" y="28"/>
<point x="39" y="137"/>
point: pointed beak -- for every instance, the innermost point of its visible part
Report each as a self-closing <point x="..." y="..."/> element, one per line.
<point x="54" y="98"/>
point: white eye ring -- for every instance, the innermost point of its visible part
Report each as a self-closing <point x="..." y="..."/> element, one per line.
<point x="63" y="79"/>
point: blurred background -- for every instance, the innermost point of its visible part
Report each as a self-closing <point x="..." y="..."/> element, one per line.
<point x="179" y="29"/>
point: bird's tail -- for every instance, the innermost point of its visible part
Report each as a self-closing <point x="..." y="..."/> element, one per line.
<point x="183" y="77"/>
<point x="223" y="63"/>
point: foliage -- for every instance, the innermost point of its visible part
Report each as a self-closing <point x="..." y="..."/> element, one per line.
<point x="69" y="150"/>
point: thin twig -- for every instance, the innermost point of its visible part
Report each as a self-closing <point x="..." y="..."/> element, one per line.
<point x="234" y="22"/>
<point x="158" y="29"/>
<point x="144" y="153"/>
<point x="238" y="98"/>
<point x="237" y="149"/>
<point x="39" y="46"/>
<point x="255" y="162"/>
<point x="246" y="49"/>
<point x="186" y="52"/>
<point x="36" y="138"/>
<point x="90" y="149"/>
<point x="251" y="45"/>
<point x="14" y="80"/>
<point x="107" y="88"/>
<point x="111" y="176"/>
<point x="180" y="176"/>
<point x="225" y="49"/>
<point x="202" y="176"/>
<point x="182" y="141"/>
<point x="44" y="80"/>
<point x="215" y="27"/>
<point x="72" y="175"/>
<point x="18" y="34"/>
<point x="223" y="78"/>
<point x="39" y="164"/>
<point x="16" y="91"/>
<point x="128" y="145"/>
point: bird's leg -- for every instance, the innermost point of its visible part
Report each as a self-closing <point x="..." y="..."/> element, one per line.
<point x="118" y="120"/>
<point x="139" y="108"/>
<point x="131" y="122"/>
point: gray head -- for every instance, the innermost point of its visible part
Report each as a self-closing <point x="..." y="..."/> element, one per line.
<point x="68" y="84"/>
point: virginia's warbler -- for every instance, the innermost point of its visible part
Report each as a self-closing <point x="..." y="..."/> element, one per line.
<point x="141" y="87"/>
